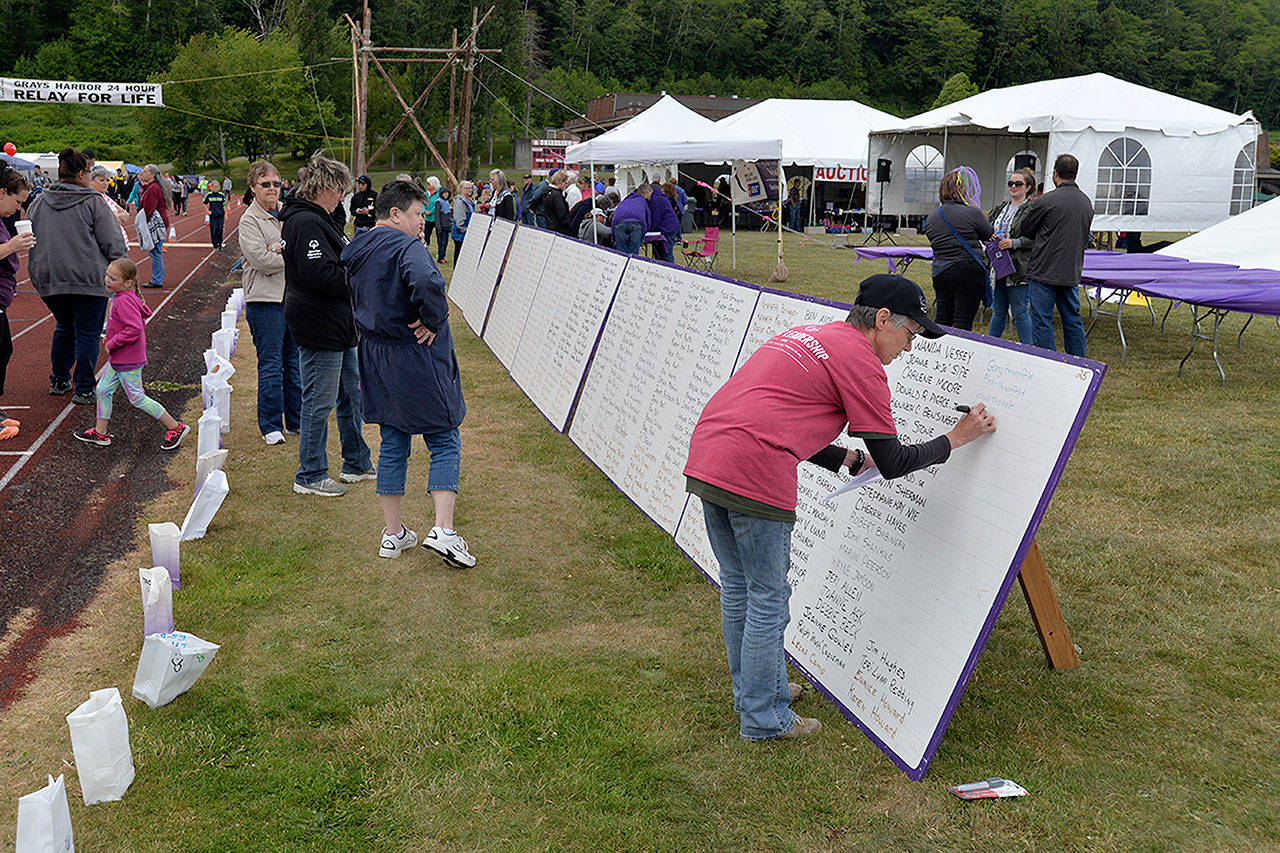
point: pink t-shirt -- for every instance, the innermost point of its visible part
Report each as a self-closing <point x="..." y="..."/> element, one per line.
<point x="791" y="398"/>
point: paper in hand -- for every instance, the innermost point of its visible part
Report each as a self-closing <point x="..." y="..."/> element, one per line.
<point x="866" y="478"/>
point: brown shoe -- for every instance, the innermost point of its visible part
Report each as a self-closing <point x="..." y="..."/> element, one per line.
<point x="802" y="726"/>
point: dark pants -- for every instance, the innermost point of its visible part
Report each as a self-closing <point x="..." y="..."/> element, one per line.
<point x="427" y="230"/>
<point x="442" y="242"/>
<point x="457" y="247"/>
<point x="216" y="221"/>
<point x="959" y="289"/>
<point x="79" y="321"/>
<point x="6" y="348"/>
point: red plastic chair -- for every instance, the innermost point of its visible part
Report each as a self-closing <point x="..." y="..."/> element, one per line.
<point x="702" y="252"/>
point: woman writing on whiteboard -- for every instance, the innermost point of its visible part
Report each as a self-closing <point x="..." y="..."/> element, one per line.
<point x="785" y="405"/>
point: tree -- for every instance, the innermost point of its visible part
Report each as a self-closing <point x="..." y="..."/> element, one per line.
<point x="253" y="114"/>
<point x="957" y="88"/>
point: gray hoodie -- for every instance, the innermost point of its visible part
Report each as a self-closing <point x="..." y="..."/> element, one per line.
<point x="76" y="237"/>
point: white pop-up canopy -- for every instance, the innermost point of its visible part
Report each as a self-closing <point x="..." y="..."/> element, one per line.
<point x="1248" y="240"/>
<point x="670" y="132"/>
<point x="1150" y="161"/>
<point x="829" y="135"/>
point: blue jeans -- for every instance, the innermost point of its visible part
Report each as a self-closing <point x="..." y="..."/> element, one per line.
<point x="393" y="460"/>
<point x="1043" y="298"/>
<point x="79" y="322"/>
<point x="1010" y="298"/>
<point x="279" y="391"/>
<point x="627" y="237"/>
<point x="329" y="378"/>
<point x="442" y="241"/>
<point x="157" y="263"/>
<point x="754" y="556"/>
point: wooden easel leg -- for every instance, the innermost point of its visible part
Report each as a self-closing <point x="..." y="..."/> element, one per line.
<point x="1045" y="611"/>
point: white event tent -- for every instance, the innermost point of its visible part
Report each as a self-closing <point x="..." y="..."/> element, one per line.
<point x="1150" y="161"/>
<point x="827" y="137"/>
<point x="667" y="133"/>
<point x="1248" y="240"/>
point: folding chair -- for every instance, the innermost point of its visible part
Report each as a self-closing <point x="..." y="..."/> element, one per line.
<point x="703" y="252"/>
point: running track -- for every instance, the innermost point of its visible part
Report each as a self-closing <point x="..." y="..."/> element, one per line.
<point x="68" y="509"/>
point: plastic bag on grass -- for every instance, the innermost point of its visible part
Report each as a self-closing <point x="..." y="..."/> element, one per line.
<point x="157" y="600"/>
<point x="100" y="741"/>
<point x="205" y="506"/>
<point x="44" y="820"/>
<point x="165" y="549"/>
<point x="169" y="665"/>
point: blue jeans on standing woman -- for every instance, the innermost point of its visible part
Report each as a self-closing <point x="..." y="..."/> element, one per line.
<point x="330" y="378"/>
<point x="157" y="264"/>
<point x="393" y="460"/>
<point x="79" y="320"/>
<point x="754" y="556"/>
<point x="1010" y="298"/>
<point x="279" y="390"/>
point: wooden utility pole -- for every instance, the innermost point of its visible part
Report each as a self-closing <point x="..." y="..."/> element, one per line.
<point x="456" y="161"/>
<point x="468" y="70"/>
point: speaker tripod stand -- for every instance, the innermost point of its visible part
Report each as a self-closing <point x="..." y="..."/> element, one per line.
<point x="878" y="232"/>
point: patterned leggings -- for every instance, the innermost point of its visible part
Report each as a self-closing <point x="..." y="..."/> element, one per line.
<point x="131" y="382"/>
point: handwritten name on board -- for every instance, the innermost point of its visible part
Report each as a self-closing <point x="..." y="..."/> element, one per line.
<point x="464" y="267"/>
<point x="525" y="260"/>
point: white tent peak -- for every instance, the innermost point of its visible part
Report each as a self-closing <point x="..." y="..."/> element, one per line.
<point x="1091" y="101"/>
<point x="670" y="132"/>
<point x="814" y="132"/>
<point x="1246" y="240"/>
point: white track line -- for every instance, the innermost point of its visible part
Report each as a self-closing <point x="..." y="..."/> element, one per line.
<point x="44" y="436"/>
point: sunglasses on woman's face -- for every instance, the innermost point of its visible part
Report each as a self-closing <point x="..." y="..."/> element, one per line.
<point x="1017" y="184"/>
<point x="268" y="184"/>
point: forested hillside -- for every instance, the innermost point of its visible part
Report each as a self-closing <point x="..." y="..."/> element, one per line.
<point x="894" y="54"/>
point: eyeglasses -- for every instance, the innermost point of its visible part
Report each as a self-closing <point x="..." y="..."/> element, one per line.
<point x="911" y="333"/>
<point x="266" y="184"/>
<point x="1017" y="184"/>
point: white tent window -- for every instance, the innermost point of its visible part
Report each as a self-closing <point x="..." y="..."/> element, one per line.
<point x="1243" y="178"/>
<point x="1124" y="179"/>
<point x="923" y="174"/>
<point x="1008" y="169"/>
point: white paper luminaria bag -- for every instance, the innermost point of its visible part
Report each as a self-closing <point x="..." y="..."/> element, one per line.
<point x="100" y="741"/>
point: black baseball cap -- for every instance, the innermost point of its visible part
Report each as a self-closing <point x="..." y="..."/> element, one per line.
<point x="901" y="296"/>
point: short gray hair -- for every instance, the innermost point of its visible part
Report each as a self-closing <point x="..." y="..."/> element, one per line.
<point x="321" y="174"/>
<point x="101" y="171"/>
<point x="864" y="317"/>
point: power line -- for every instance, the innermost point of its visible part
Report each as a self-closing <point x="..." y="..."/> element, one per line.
<point x="542" y="92"/>
<point x="253" y="73"/>
<point x="254" y="126"/>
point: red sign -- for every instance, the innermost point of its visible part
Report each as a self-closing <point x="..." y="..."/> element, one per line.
<point x="841" y="174"/>
<point x="548" y="155"/>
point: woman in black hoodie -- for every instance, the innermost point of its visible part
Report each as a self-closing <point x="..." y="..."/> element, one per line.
<point x="317" y="310"/>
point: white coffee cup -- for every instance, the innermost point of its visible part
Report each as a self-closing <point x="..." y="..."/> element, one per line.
<point x="23" y="226"/>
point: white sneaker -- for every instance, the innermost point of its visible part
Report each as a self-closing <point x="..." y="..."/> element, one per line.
<point x="393" y="545"/>
<point x="371" y="474"/>
<point x="274" y="437"/>
<point x="326" y="488"/>
<point x="451" y="546"/>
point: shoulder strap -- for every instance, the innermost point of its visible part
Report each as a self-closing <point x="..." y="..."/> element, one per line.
<point x="963" y="243"/>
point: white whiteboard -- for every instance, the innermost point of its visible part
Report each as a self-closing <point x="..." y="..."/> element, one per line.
<point x="902" y="581"/>
<point x="669" y="343"/>
<point x="525" y="260"/>
<point x="479" y="293"/>
<point x="464" y="268"/>
<point x="565" y="321"/>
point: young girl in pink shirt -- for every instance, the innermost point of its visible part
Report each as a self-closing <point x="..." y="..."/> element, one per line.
<point x="126" y="339"/>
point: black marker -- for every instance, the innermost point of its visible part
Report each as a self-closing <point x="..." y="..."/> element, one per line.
<point x="964" y="409"/>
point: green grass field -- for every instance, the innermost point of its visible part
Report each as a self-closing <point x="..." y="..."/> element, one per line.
<point x="570" y="691"/>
